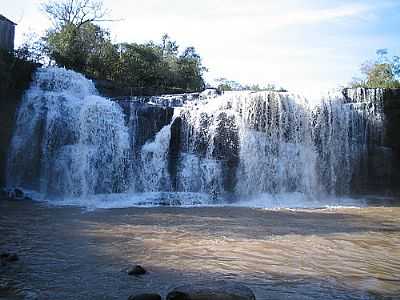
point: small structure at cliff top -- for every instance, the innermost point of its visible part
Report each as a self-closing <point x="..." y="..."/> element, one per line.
<point x="7" y="33"/>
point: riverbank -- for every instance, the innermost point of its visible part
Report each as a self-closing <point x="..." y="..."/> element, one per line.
<point x="71" y="253"/>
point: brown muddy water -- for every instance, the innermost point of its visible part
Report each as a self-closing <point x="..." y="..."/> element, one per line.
<point x="70" y="253"/>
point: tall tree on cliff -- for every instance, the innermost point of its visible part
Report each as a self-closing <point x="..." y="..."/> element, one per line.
<point x="75" y="41"/>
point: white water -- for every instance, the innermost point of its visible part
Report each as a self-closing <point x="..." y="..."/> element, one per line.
<point x="154" y="159"/>
<point x="68" y="141"/>
<point x="253" y="149"/>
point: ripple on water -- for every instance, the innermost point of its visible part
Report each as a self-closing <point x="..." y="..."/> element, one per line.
<point x="337" y="253"/>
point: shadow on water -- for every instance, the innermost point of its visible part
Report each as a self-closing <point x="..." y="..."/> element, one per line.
<point x="67" y="253"/>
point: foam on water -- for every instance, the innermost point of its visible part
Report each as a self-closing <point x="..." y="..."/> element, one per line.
<point x="267" y="201"/>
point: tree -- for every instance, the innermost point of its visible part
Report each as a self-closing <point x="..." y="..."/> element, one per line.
<point x="140" y="64"/>
<point x="74" y="12"/>
<point x="168" y="46"/>
<point x="224" y="84"/>
<point x="77" y="42"/>
<point x="384" y="72"/>
<point x="87" y="49"/>
<point x="31" y="49"/>
<point x="191" y="70"/>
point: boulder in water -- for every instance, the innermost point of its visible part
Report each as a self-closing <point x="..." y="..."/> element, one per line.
<point x="6" y="257"/>
<point x="19" y="194"/>
<point x="145" y="297"/>
<point x="136" y="270"/>
<point x="216" y="290"/>
<point x="13" y="194"/>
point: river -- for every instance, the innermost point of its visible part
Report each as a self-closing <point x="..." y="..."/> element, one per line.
<point x="73" y="253"/>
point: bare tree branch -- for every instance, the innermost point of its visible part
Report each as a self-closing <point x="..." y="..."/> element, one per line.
<point x="75" y="12"/>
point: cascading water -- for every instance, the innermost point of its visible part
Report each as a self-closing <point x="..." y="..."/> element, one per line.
<point x="154" y="161"/>
<point x="67" y="141"/>
<point x="343" y="131"/>
<point x="70" y="142"/>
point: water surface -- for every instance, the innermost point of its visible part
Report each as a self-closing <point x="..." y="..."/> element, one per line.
<point x="71" y="253"/>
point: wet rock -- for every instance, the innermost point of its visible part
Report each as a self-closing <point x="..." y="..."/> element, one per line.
<point x="13" y="257"/>
<point x="136" y="270"/>
<point x="145" y="297"/>
<point x="14" y="194"/>
<point x="18" y="194"/>
<point x="216" y="290"/>
<point x="6" y="257"/>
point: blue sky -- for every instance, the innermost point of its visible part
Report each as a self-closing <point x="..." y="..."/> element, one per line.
<point x="306" y="46"/>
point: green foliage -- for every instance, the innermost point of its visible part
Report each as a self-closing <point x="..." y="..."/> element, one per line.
<point x="89" y="50"/>
<point x="86" y="49"/>
<point x="231" y="85"/>
<point x="190" y="70"/>
<point x="77" y="43"/>
<point x="384" y="72"/>
<point x="225" y="85"/>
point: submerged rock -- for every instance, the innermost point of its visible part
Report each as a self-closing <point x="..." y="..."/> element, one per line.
<point x="6" y="257"/>
<point x="13" y="257"/>
<point x="145" y="297"/>
<point x="13" y="194"/>
<point x="19" y="194"/>
<point x="136" y="270"/>
<point x="215" y="290"/>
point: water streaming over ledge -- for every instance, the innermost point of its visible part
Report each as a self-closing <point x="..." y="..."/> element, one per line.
<point x="71" y="143"/>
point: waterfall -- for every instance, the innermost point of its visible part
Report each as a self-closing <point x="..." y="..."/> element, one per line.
<point x="344" y="128"/>
<point x="71" y="142"/>
<point x="68" y="141"/>
<point x="154" y="159"/>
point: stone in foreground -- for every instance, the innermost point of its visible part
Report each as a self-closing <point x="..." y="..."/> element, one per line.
<point x="136" y="270"/>
<point x="212" y="290"/>
<point x="145" y="297"/>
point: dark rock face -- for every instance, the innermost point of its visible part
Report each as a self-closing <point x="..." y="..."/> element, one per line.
<point x="392" y="140"/>
<point x="227" y="149"/>
<point x="379" y="170"/>
<point x="225" y="141"/>
<point x="215" y="290"/>
<point x="137" y="270"/>
<point x="144" y="120"/>
<point x="174" y="150"/>
<point x="145" y="297"/>
<point x="12" y="87"/>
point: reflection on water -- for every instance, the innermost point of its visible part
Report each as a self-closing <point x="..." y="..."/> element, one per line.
<point x="67" y="253"/>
